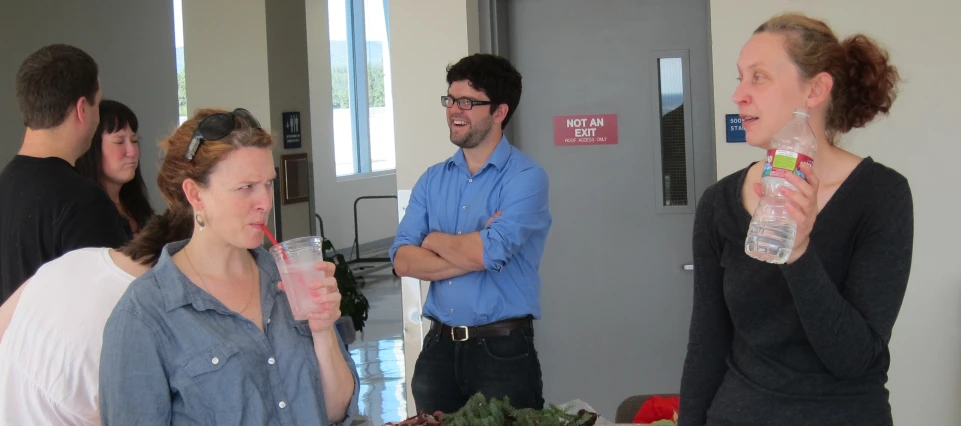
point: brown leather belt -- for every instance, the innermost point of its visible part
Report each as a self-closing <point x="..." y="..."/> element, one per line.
<point x="494" y="329"/>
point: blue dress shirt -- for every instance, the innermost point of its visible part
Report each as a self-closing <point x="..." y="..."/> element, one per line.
<point x="448" y="199"/>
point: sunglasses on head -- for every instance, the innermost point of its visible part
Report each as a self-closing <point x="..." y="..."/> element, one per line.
<point x="218" y="126"/>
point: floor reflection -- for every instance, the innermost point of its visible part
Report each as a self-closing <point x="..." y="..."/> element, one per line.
<point x="380" y="364"/>
<point x="378" y="353"/>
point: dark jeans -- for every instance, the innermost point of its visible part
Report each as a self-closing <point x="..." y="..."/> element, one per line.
<point x="448" y="373"/>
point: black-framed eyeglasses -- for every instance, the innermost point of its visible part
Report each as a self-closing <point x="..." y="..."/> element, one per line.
<point x="218" y="126"/>
<point x="462" y="103"/>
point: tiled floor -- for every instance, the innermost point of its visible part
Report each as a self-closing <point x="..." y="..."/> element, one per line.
<point x="379" y="352"/>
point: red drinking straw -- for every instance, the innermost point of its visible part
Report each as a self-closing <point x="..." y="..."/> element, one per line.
<point x="273" y="240"/>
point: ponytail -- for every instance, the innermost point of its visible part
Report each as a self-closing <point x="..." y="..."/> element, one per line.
<point x="160" y="230"/>
<point x="869" y="87"/>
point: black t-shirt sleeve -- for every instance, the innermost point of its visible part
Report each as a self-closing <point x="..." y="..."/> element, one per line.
<point x="93" y="222"/>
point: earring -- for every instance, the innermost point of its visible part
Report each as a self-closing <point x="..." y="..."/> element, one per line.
<point x="200" y="221"/>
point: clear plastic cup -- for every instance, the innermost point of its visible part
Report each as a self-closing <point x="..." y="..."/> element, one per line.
<point x="296" y="259"/>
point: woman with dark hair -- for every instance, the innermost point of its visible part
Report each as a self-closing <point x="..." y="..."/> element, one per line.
<point x="806" y="342"/>
<point x="113" y="161"/>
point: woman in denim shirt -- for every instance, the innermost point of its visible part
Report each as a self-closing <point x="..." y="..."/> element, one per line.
<point x="206" y="337"/>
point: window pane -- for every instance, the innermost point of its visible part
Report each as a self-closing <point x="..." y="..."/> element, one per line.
<point x="179" y="53"/>
<point x="378" y="87"/>
<point x="340" y="77"/>
<point x="673" y="142"/>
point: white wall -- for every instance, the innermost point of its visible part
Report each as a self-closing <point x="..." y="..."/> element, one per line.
<point x="420" y="54"/>
<point x="227" y="67"/>
<point x="288" y="77"/>
<point x="920" y="141"/>
<point x="335" y="198"/>
<point x="132" y="42"/>
<point x="225" y="56"/>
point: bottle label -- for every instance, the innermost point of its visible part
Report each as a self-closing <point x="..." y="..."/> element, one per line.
<point x="779" y="162"/>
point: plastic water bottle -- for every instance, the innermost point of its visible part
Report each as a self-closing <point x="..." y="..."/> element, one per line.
<point x="771" y="235"/>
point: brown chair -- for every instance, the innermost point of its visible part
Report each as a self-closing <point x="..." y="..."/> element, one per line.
<point x="629" y="408"/>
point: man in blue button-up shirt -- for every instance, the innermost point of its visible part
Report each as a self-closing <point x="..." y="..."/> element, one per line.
<point x="476" y="227"/>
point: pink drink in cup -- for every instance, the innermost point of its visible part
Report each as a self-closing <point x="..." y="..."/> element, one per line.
<point x="296" y="259"/>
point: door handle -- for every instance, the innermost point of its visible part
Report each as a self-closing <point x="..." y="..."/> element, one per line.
<point x="689" y="267"/>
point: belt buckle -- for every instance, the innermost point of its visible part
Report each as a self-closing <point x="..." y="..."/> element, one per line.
<point x="453" y="333"/>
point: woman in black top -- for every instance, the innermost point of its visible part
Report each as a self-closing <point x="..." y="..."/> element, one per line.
<point x="804" y="343"/>
<point x="113" y="162"/>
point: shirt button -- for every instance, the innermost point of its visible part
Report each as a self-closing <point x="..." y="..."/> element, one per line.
<point x="470" y="180"/>
<point x="465" y="207"/>
<point x="452" y="310"/>
<point x="282" y="404"/>
<point x="458" y="232"/>
<point x="215" y="361"/>
<point x="271" y="361"/>
<point x="450" y="283"/>
<point x="268" y="320"/>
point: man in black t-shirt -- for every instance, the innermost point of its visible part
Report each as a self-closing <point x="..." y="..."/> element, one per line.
<point x="46" y="207"/>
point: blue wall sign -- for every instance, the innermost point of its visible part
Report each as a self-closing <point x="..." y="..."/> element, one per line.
<point x="291" y="130"/>
<point x="735" y="133"/>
